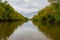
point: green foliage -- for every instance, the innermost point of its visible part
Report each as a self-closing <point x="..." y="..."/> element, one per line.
<point x="8" y="13"/>
<point x="49" y="20"/>
<point x="50" y="14"/>
<point x="26" y="19"/>
<point x="54" y="1"/>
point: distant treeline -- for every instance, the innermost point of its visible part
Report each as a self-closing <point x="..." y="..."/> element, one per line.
<point x="49" y="14"/>
<point x="7" y="13"/>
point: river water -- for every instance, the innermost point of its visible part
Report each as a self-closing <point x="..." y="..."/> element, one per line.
<point x="20" y="31"/>
<point x="27" y="32"/>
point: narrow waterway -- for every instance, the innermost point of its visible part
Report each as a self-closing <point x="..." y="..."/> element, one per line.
<point x="27" y="32"/>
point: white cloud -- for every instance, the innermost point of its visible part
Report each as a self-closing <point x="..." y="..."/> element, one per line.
<point x="27" y="0"/>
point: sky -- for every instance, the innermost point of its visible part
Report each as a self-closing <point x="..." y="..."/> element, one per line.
<point x="28" y="8"/>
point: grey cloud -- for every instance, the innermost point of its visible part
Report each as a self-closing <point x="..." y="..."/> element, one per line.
<point x="26" y="7"/>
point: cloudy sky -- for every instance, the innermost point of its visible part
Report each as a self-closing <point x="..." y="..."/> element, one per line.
<point x="28" y="6"/>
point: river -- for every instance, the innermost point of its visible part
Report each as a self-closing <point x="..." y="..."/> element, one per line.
<point x="27" y="32"/>
<point x="20" y="31"/>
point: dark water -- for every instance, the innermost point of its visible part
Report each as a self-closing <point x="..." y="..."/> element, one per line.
<point x="7" y="28"/>
<point x="28" y="31"/>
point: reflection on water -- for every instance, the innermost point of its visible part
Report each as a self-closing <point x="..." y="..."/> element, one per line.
<point x="7" y="28"/>
<point x="27" y="32"/>
<point x="17" y="31"/>
<point x="50" y="30"/>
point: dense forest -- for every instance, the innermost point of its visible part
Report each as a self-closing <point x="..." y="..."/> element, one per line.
<point x="7" y="13"/>
<point x="49" y="14"/>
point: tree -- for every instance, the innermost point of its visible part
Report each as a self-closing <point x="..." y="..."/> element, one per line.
<point x="7" y="13"/>
<point x="0" y="0"/>
<point x="54" y="1"/>
<point x="6" y="2"/>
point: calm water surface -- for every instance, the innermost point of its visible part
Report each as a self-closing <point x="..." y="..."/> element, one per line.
<point x="27" y="32"/>
<point x="20" y="31"/>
